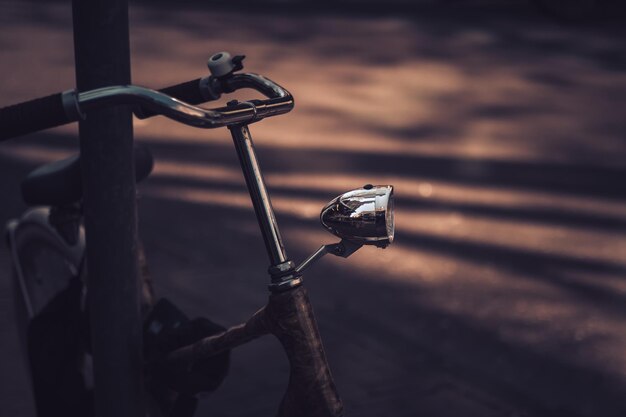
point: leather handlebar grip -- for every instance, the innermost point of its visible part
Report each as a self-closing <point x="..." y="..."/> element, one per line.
<point x="311" y="391"/>
<point x="32" y="116"/>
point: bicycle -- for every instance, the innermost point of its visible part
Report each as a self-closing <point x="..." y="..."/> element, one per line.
<point x="182" y="357"/>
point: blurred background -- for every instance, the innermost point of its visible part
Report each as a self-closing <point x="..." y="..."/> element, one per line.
<point x="503" y="131"/>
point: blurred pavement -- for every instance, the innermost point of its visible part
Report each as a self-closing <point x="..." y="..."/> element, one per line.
<point x="504" y="134"/>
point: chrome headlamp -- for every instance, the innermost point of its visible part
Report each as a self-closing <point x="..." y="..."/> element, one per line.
<point x="364" y="215"/>
<point x="359" y="217"/>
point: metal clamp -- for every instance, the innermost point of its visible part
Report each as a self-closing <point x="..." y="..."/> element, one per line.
<point x="71" y="105"/>
<point x="254" y="110"/>
<point x="292" y="281"/>
<point x="284" y="277"/>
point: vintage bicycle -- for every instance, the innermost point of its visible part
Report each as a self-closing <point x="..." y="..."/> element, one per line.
<point x="182" y="357"/>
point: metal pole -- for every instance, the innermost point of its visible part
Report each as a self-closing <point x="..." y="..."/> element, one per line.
<point x="102" y="56"/>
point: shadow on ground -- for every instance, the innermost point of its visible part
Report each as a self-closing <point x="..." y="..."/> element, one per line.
<point x="503" y="133"/>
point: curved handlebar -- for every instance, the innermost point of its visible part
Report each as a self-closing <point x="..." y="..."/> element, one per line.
<point x="71" y="106"/>
<point x="278" y="101"/>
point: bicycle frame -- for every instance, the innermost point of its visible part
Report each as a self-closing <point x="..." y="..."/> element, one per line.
<point x="288" y="314"/>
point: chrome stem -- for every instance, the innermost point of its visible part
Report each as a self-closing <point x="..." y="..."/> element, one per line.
<point x="258" y="193"/>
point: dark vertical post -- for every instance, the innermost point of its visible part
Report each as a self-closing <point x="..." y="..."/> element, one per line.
<point x="102" y="55"/>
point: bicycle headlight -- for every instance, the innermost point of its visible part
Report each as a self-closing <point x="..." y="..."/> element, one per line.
<point x="364" y="215"/>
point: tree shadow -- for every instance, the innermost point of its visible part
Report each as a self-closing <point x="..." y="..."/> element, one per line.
<point x="411" y="337"/>
<point x="394" y="350"/>
<point x="585" y="181"/>
<point x="415" y="346"/>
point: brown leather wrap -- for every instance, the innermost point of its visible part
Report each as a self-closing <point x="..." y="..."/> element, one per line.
<point x="289" y="316"/>
<point x="311" y="391"/>
<point x="185" y="357"/>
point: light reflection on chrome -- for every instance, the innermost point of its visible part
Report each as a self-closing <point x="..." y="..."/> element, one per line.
<point x="364" y="215"/>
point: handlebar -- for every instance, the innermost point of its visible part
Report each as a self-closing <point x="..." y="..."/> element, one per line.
<point x="32" y="116"/>
<point x="176" y="102"/>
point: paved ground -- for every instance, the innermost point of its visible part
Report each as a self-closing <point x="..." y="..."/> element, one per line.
<point x="503" y="132"/>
